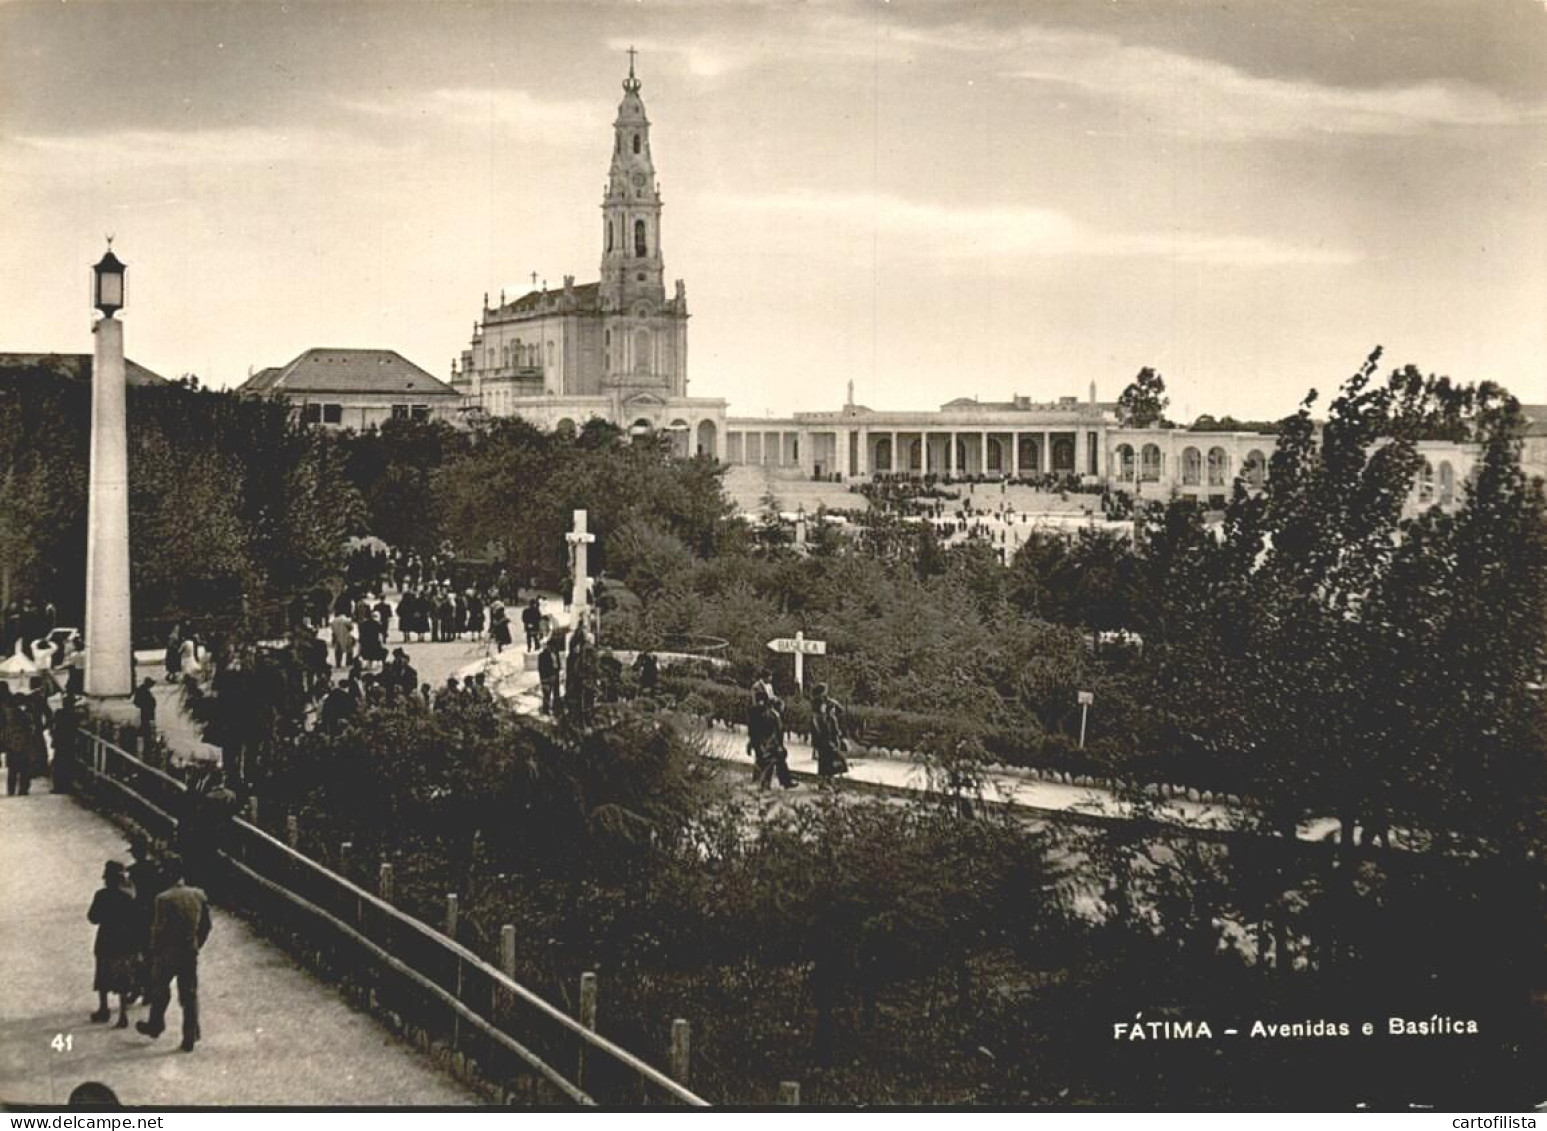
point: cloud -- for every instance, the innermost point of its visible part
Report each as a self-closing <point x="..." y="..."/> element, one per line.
<point x="804" y="34"/>
<point x="131" y="149"/>
<point x="1184" y="95"/>
<point x="561" y="123"/>
<point x="1009" y="232"/>
<point x="1172" y="92"/>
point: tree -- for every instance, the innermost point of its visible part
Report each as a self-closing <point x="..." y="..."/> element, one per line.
<point x="1143" y="403"/>
<point x="1330" y="654"/>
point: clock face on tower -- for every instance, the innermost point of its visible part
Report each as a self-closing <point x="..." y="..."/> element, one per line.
<point x="639" y="180"/>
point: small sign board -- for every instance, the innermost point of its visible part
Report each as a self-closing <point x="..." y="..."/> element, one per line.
<point x="809" y="647"/>
<point x="1084" y="698"/>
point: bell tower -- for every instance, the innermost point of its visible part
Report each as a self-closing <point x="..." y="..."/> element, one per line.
<point x="632" y="267"/>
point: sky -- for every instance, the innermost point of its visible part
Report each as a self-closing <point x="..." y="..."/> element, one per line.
<point x="932" y="199"/>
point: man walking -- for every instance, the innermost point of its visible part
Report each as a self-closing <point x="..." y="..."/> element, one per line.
<point x="827" y="735"/>
<point x="179" y="927"/>
<point x="549" y="668"/>
<point x="145" y="699"/>
<point x="343" y="639"/>
<point x="531" y="620"/>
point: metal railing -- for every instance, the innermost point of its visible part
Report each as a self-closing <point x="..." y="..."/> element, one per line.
<point x="490" y="1025"/>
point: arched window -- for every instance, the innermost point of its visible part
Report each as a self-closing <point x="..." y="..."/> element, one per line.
<point x="1124" y="463"/>
<point x="636" y="143"/>
<point x="1031" y="456"/>
<point x="1219" y="467"/>
<point x="641" y="248"/>
<point x="1255" y="470"/>
<point x="1149" y="463"/>
<point x="1063" y="455"/>
<point x="609" y="235"/>
<point x="1426" y="482"/>
<point x="1447" y="483"/>
<point x="1192" y="467"/>
<point x="884" y="454"/>
<point x="915" y="455"/>
<point x="642" y="358"/>
<point x="995" y="455"/>
<point x="681" y="431"/>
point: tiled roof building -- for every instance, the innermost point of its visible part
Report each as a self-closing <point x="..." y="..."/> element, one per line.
<point x="356" y="388"/>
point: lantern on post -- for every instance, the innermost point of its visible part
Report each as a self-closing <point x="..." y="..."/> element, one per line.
<point x="109" y="655"/>
<point x="107" y="291"/>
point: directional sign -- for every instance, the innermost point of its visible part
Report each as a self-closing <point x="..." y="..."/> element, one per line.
<point x="809" y="647"/>
<point x="802" y="648"/>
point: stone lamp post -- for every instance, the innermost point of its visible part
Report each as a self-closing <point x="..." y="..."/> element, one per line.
<point x="109" y="649"/>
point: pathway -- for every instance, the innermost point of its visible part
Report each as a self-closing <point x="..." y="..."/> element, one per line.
<point x="511" y="680"/>
<point x="274" y="1035"/>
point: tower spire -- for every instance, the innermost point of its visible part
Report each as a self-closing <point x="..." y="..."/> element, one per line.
<point x="632" y="267"/>
<point x="631" y="84"/>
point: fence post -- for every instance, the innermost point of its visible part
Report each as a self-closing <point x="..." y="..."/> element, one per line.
<point x="504" y="1000"/>
<point x="587" y="1019"/>
<point x="451" y="915"/>
<point x="384" y="882"/>
<point x="292" y="830"/>
<point x="343" y="857"/>
<point x="789" y="1094"/>
<point x="680" y="1049"/>
<point x="508" y="950"/>
<point x="252" y="810"/>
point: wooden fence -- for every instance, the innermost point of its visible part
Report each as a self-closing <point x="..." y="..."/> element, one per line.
<point x="474" y="1017"/>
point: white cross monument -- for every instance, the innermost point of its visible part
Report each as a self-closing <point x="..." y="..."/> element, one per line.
<point x="578" y="540"/>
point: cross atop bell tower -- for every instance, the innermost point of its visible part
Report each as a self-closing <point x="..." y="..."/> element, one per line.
<point x="632" y="265"/>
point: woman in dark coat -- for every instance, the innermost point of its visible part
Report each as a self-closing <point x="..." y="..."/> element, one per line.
<point x="116" y="913"/>
<point x="373" y="649"/>
<point x="21" y="739"/>
<point x="499" y="626"/>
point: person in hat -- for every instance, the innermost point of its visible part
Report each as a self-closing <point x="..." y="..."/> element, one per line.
<point x="178" y="931"/>
<point x="116" y="913"/>
<point x="145" y="699"/>
<point x="827" y="734"/>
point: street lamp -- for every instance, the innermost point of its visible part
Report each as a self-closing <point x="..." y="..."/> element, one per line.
<point x="109" y="658"/>
<point x="108" y="276"/>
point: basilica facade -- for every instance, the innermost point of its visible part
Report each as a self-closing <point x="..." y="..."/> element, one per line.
<point x="617" y="348"/>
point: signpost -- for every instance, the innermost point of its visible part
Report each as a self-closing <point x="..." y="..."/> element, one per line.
<point x="1084" y="699"/>
<point x="802" y="648"/>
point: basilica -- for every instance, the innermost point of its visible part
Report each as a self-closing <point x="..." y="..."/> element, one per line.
<point x="616" y="348"/>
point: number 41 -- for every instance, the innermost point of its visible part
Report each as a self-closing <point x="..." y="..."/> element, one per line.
<point x="62" y="1042"/>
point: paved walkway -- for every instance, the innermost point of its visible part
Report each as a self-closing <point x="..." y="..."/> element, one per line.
<point x="273" y="1034"/>
<point x="510" y="679"/>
